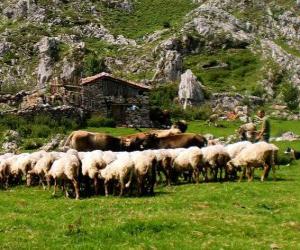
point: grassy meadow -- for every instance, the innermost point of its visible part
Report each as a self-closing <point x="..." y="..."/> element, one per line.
<point x="227" y="215"/>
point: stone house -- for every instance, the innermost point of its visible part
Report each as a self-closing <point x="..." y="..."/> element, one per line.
<point x="126" y="102"/>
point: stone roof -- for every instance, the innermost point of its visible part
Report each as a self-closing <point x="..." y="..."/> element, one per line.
<point x="104" y="75"/>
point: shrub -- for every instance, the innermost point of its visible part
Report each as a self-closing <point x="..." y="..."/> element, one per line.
<point x="41" y="131"/>
<point x="32" y="144"/>
<point x="290" y="96"/>
<point x="93" y="65"/>
<point x="163" y="96"/>
<point x="166" y="24"/>
<point x="258" y="90"/>
<point x="202" y="112"/>
<point x="98" y="121"/>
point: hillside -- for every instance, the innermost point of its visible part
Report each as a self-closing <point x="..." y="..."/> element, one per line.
<point x="233" y="46"/>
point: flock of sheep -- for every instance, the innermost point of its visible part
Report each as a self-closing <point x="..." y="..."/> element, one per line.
<point x="135" y="172"/>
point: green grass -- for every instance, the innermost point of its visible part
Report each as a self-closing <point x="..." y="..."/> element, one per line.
<point x="205" y="216"/>
<point x="226" y="128"/>
<point x="242" y="73"/>
<point x="289" y="49"/>
<point x="147" y="17"/>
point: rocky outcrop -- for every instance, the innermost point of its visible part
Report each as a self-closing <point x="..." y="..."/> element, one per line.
<point x="229" y="101"/>
<point x="11" y="141"/>
<point x="285" y="60"/>
<point x="48" y="51"/>
<point x="25" y="9"/>
<point x="4" y="48"/>
<point x="170" y="64"/>
<point x="190" y="90"/>
<point x="125" y="5"/>
<point x="99" y="31"/>
<point x="218" y="27"/>
<point x="53" y="144"/>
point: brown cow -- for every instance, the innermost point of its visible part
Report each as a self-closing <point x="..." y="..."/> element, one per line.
<point x="87" y="141"/>
<point x="185" y="140"/>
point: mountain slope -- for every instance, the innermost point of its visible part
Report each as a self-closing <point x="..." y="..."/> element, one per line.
<point x="237" y="46"/>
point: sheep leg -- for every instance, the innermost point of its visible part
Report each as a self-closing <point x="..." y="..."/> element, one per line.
<point x="265" y="172"/>
<point x="106" y="188"/>
<point x="242" y="174"/>
<point x="251" y="171"/>
<point x="64" y="189"/>
<point x="48" y="182"/>
<point x="122" y="187"/>
<point x="196" y="176"/>
<point x="76" y="187"/>
<point x="96" y="186"/>
<point x="55" y="187"/>
<point x="221" y="174"/>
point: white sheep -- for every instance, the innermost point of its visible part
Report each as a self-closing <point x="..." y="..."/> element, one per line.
<point x="145" y="170"/>
<point x="42" y="168"/>
<point x="234" y="149"/>
<point x="91" y="164"/>
<point x="120" y="170"/>
<point x="66" y="168"/>
<point x="214" y="159"/>
<point x="6" y="162"/>
<point x="254" y="156"/>
<point x="189" y="160"/>
<point x="163" y="164"/>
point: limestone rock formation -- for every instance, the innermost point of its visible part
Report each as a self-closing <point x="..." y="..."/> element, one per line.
<point x="190" y="90"/>
<point x="47" y="48"/>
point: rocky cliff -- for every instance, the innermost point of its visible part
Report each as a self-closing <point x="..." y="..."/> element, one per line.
<point x="248" y="47"/>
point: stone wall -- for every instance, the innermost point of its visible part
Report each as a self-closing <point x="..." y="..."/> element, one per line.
<point x="127" y="105"/>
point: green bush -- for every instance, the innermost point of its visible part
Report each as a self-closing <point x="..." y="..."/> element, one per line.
<point x="163" y="96"/>
<point x="98" y="121"/>
<point x="32" y="144"/>
<point x="41" y="131"/>
<point x="93" y="65"/>
<point x="290" y="96"/>
<point x="202" y="112"/>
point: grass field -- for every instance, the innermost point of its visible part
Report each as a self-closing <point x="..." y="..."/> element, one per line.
<point x="205" y="216"/>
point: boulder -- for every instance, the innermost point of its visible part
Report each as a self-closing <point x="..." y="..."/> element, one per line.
<point x="190" y="90"/>
<point x="53" y="143"/>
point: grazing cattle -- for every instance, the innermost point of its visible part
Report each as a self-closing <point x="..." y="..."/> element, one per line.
<point x="87" y="141"/>
<point x="134" y="142"/>
<point x="178" y="127"/>
<point x="175" y="141"/>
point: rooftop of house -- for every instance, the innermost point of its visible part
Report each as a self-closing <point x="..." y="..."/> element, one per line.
<point x="104" y="75"/>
